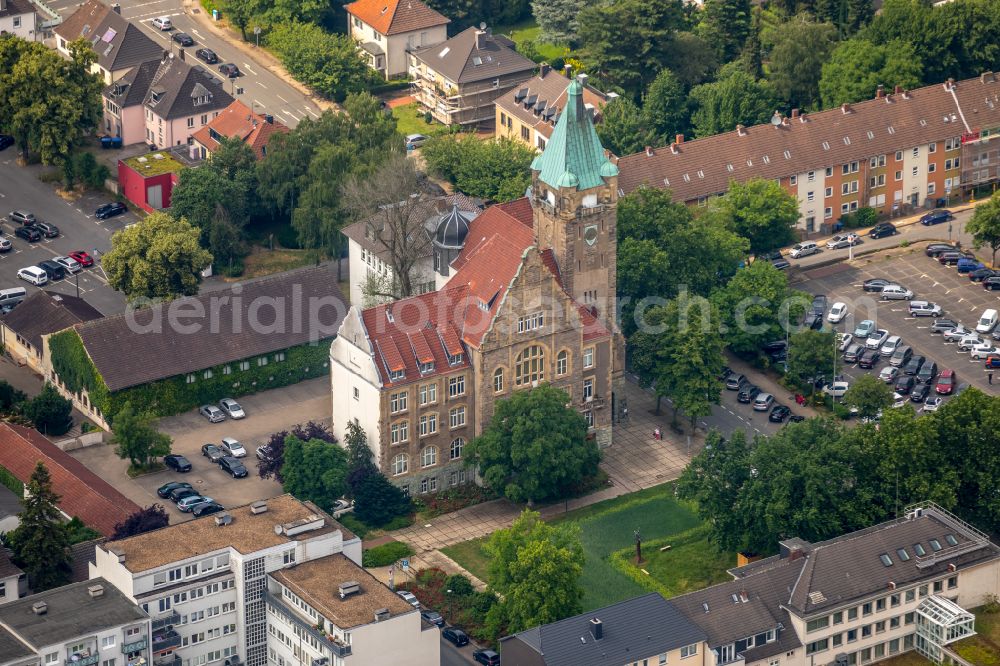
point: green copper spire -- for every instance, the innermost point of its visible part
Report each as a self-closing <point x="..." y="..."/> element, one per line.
<point x="574" y="156"/>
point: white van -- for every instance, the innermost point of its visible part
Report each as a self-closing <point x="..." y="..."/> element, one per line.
<point x="987" y="322"/>
<point x="804" y="250"/>
<point x="11" y="297"/>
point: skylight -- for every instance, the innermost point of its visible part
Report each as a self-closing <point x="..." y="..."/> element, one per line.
<point x="935" y="545"/>
<point x="903" y="555"/>
<point x="886" y="560"/>
<point x="919" y="549"/>
<point x="444" y="52"/>
<point x="951" y="540"/>
<point x="109" y="35"/>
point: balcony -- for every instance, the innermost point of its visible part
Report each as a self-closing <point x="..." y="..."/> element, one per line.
<point x="134" y="646"/>
<point x="166" y="640"/>
<point x="83" y="660"/>
<point x="169" y="660"/>
<point x="334" y="644"/>
<point x="166" y="621"/>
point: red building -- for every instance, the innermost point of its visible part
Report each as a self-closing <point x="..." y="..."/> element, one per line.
<point x="148" y="180"/>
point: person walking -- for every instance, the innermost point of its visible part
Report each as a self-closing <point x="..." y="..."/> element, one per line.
<point x="989" y="376"/>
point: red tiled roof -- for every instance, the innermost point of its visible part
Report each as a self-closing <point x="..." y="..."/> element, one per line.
<point x="238" y="120"/>
<point x="548" y="87"/>
<point x="392" y="17"/>
<point x="83" y="493"/>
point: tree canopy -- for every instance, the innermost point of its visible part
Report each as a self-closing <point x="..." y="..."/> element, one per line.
<point x="761" y="211"/>
<point x="857" y="67"/>
<point x="735" y="98"/>
<point x="796" y="64"/>
<point x="985" y="226"/>
<point x="622" y="129"/>
<point x="136" y="438"/>
<point x="40" y="542"/>
<point x="495" y="170"/>
<point x="49" y="412"/>
<point x="152" y="517"/>
<point x="868" y="395"/>
<point x="329" y="63"/>
<point x="314" y="470"/>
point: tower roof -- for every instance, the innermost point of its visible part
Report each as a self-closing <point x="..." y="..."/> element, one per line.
<point x="574" y="156"/>
<point x="452" y="228"/>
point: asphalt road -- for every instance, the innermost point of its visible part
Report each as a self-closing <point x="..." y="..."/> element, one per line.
<point x="20" y="188"/>
<point x="453" y="656"/>
<point x="264" y="91"/>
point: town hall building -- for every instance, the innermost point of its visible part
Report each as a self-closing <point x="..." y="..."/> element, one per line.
<point x="526" y="295"/>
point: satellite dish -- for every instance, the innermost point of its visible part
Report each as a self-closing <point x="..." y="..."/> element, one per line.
<point x="776" y="119"/>
<point x="482" y="26"/>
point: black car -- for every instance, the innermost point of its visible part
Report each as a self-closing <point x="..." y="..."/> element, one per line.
<point x="981" y="274"/>
<point x="748" y="393"/>
<point x="952" y="258"/>
<point x="735" y="381"/>
<point x="207" y="509"/>
<point x="869" y="358"/>
<point x="914" y="365"/>
<point x="212" y="452"/>
<point x="919" y="392"/>
<point x="905" y="384"/>
<point x="882" y="229"/>
<point x="927" y="373"/>
<point x="942" y="325"/>
<point x="726" y="371"/>
<point x="52" y="269"/>
<point x="853" y="353"/>
<point x="819" y="305"/>
<point x="231" y="465"/>
<point x="934" y="249"/>
<point x="433" y="617"/>
<point x="110" y="210"/>
<point x="47" y="229"/>
<point x="177" y="494"/>
<point x="230" y="70"/>
<point x="486" y="657"/>
<point x="167" y="488"/>
<point x="779" y="414"/>
<point x="182" y="38"/>
<point x="177" y="462"/>
<point x="6" y="141"/>
<point x="30" y="234"/>
<point x="455" y="635"/>
<point x="936" y="216"/>
<point x="992" y="283"/>
<point x="776" y="259"/>
<point x="812" y="320"/>
<point x="207" y="56"/>
<point x="796" y="418"/>
<point x="876" y="285"/>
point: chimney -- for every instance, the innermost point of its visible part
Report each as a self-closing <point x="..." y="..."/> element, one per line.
<point x="892" y="585"/>
<point x="119" y="553"/>
<point x="951" y="84"/>
<point x="180" y="54"/>
<point x="568" y="70"/>
<point x="116" y="8"/>
<point x="741" y="130"/>
<point x="880" y="91"/>
<point x="985" y="77"/>
<point x="481" y="36"/>
<point x="269" y="119"/>
<point x="649" y="151"/>
<point x="582" y="78"/>
<point x="674" y="148"/>
<point x="544" y="69"/>
<point x="906" y="94"/>
<point x="951" y="567"/>
<point x="382" y="614"/>
<point x="795" y="113"/>
<point x="597" y="629"/>
<point x="678" y="139"/>
<point x="39" y="608"/>
<point x="845" y="108"/>
<point x="258" y="507"/>
<point x="802" y="117"/>
<point x="95" y="591"/>
<point x="896" y="90"/>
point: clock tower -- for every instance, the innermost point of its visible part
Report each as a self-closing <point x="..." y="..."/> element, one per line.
<point x="574" y="193"/>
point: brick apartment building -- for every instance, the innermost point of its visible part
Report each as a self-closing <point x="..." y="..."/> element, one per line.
<point x="898" y="152"/>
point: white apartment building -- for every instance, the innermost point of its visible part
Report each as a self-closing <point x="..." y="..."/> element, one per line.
<point x="331" y="612"/>
<point x="83" y="624"/>
<point x="17" y="17"/>
<point x="204" y="582"/>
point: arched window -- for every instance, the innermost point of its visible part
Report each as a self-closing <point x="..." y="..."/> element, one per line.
<point x="429" y="456"/>
<point x="400" y="464"/>
<point x="530" y="366"/>
<point x="562" y="363"/>
<point x="498" y="380"/>
<point x="456" y="448"/>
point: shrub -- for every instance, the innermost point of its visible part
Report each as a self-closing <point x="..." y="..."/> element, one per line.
<point x="386" y="554"/>
<point x="459" y="585"/>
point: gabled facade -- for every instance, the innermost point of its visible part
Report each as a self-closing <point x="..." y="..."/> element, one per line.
<point x="182" y="98"/>
<point x="237" y="121"/>
<point x="42" y="313"/>
<point x="119" y="44"/>
<point x="124" y="114"/>
<point x="458" y="80"/>
<point x="17" y="17"/>
<point x="527" y="300"/>
<point x="386" y="30"/>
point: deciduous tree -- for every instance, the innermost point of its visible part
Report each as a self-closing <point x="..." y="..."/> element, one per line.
<point x="811" y="355"/>
<point x="496" y="170"/>
<point x="736" y="98"/>
<point x="622" y="130"/>
<point x="985" y="226"/>
<point x="136" y="438"/>
<point x="796" y="64"/>
<point x="868" y="395"/>
<point x="761" y="211"/>
<point x="314" y="470"/>
<point x="49" y="412"/>
<point x="152" y="517"/>
<point x="857" y="67"/>
<point x="40" y="542"/>
<point x="326" y="62"/>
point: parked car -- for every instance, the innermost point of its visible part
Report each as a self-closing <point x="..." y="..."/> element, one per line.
<point x="177" y="462"/>
<point x="936" y="216"/>
<point x="844" y="341"/>
<point x="162" y="23"/>
<point x="955" y="334"/>
<point x="966" y="266"/>
<point x="946" y="382"/>
<point x="47" y="229"/>
<point x="188" y="504"/>
<point x="837" y="389"/>
<point x="914" y="364"/>
<point x="33" y="275"/>
<point x="932" y="404"/>
<point x="891" y="344"/>
<point x="112" y="209"/>
<point x="763" y="402"/>
<point x="981" y="274"/>
<point x="868" y="359"/>
<point x="905" y="384"/>
<point x="864" y="329"/>
<point x="30" y="234"/>
<point x="748" y="393"/>
<point x="952" y="258"/>
<point x="6" y="141"/>
<point x="6" y="245"/>
<point x="233" y="448"/>
<point x="901" y="356"/>
<point x="813" y="320"/>
<point x="991" y="283"/>
<point x="837" y="313"/>
<point x="53" y="270"/>
<point x="919" y="392"/>
<point x="22" y="217"/>
<point x="455" y="636"/>
<point x="264" y="453"/>
<point x="212" y="413"/>
<point x="819" y="304"/>
<point x="230" y="70"/>
<point x="934" y="249"/>
<point x="212" y="452"/>
<point x="776" y="258"/>
<point x="842" y="240"/>
<point x="895" y="292"/>
<point x="969" y="341"/>
<point x="82" y="257"/>
<point x="987" y="321"/>
<point x="898" y="400"/>
<point x="876" y="339"/>
<point x="734" y="381"/>
<point x="207" y="509"/>
<point x="486" y="657"/>
<point x="853" y="352"/>
<point x="943" y="325"/>
<point x="432" y="617"/>
<point x="233" y="466"/>
<point x="342" y="506"/>
<point x="882" y="229"/>
<point x="992" y="362"/>
<point x="183" y="39"/>
<point x="409" y="598"/>
<point x="167" y="488"/>
<point x="924" y="309"/>
<point x="796" y="418"/>
<point x="928" y="371"/>
<point x="803" y="249"/>
<point x="875" y="284"/>
<point x="177" y="494"/>
<point x="231" y="408"/>
<point x="779" y="413"/>
<point x="984" y="350"/>
<point x="206" y="56"/>
<point x="415" y="141"/>
<point x="889" y="374"/>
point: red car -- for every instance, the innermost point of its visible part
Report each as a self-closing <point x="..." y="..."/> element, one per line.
<point x="945" y="383"/>
<point x="82" y="257"/>
<point x="992" y="362"/>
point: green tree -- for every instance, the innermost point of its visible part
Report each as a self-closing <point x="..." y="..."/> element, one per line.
<point x="869" y="396"/>
<point x="497" y="170"/>
<point x="159" y="257"/>
<point x="734" y="99"/>
<point x="377" y="501"/>
<point x="328" y="63"/>
<point x="621" y="129"/>
<point x="535" y="447"/>
<point x="10" y="397"/>
<point x="756" y="306"/>
<point x="40" y="542"/>
<point x="726" y="25"/>
<point x="761" y="211"/>
<point x="49" y="412"/>
<point x="800" y="49"/>
<point x="314" y="470"/>
<point x="48" y="103"/>
<point x="225" y="241"/>
<point x="240" y="13"/>
<point x="985" y="226"/>
<point x="679" y="352"/>
<point x="664" y="108"/>
<point x="199" y="192"/>
<point x="811" y="354"/>
<point x="691" y="58"/>
<point x="152" y="517"/>
<point x="535" y="571"/>
<point x="857" y="67"/>
<point x="136" y="438"/>
<point x="558" y="18"/>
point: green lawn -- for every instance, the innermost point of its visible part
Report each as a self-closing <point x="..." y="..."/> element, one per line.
<point x="410" y="120"/>
<point x="529" y="31"/>
<point x="608" y="528"/>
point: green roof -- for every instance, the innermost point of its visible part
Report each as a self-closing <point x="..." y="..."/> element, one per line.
<point x="149" y="165"/>
<point x="574" y="155"/>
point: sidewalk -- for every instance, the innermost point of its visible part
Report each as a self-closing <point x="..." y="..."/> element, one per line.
<point x="768" y="384"/>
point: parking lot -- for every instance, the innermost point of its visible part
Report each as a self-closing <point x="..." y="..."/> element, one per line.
<point x="959" y="298"/>
<point x="20" y="188"/>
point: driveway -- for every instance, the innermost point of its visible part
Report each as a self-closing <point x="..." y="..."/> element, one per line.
<point x="267" y="412"/>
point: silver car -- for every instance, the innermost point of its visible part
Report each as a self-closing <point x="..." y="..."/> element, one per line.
<point x="232" y="408"/>
<point x="212" y="413"/>
<point x="71" y="265"/>
<point x="233" y="448"/>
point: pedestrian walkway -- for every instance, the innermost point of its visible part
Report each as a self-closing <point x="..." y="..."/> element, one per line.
<point x="768" y="384"/>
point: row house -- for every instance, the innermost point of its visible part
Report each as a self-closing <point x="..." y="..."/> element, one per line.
<point x="900" y="151"/>
<point x="387" y="30"/>
<point x="238" y="121"/>
<point x="458" y="81"/>
<point x="120" y="45"/>
<point x="527" y="297"/>
<point x="18" y="17"/>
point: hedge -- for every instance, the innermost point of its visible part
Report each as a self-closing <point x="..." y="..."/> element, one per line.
<point x="386" y="554"/>
<point x="173" y="394"/>
<point x="12" y="482"/>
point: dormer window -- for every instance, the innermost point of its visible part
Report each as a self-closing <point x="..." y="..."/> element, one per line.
<point x="396" y="375"/>
<point x="454" y="359"/>
<point x="154" y="97"/>
<point x="425" y="367"/>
